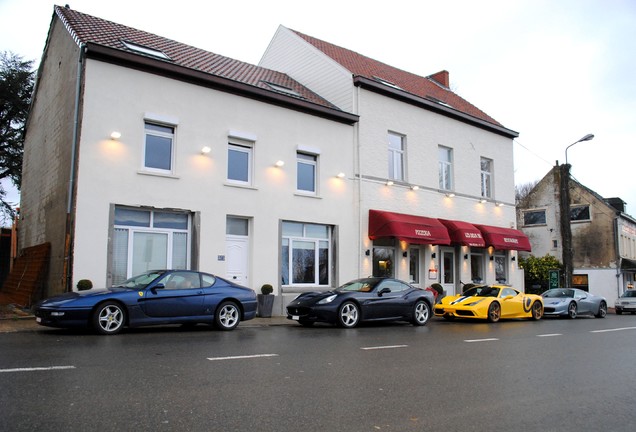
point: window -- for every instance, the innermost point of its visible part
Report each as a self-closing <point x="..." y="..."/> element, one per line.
<point x="306" y="254"/>
<point x="147" y="240"/>
<point x="145" y="50"/>
<point x="445" y="155"/>
<point x="158" y="147"/>
<point x="486" y="178"/>
<point x="501" y="268"/>
<point x="580" y="213"/>
<point x="581" y="281"/>
<point x="414" y="265"/>
<point x="534" y="217"/>
<point x="239" y="163"/>
<point x="306" y="167"/>
<point x="396" y="157"/>
<point x="477" y="268"/>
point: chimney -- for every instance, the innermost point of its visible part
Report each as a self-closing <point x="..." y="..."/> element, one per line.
<point x="441" y="78"/>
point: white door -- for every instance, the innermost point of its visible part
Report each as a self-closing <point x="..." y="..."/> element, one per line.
<point x="448" y="273"/>
<point x="237" y="257"/>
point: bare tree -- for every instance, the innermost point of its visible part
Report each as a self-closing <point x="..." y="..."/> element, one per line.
<point x="523" y="190"/>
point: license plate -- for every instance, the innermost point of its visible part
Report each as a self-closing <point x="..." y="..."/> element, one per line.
<point x="295" y="317"/>
<point x="38" y="319"/>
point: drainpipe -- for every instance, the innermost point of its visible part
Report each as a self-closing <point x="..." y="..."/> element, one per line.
<point x="68" y="242"/>
<point x="619" y="260"/>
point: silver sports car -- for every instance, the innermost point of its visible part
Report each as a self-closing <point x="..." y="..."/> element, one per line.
<point x="572" y="302"/>
<point x="626" y="302"/>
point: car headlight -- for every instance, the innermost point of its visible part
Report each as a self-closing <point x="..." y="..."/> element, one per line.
<point x="475" y="302"/>
<point x="328" y="299"/>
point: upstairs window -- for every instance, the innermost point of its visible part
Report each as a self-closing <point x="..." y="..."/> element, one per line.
<point x="306" y="166"/>
<point x="486" y="178"/>
<point x="158" y="147"/>
<point x="580" y="213"/>
<point x="445" y="157"/>
<point x="396" y="157"/>
<point x="534" y="217"/>
<point x="239" y="163"/>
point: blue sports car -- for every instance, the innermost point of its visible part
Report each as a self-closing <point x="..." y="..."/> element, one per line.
<point x="572" y="302"/>
<point x="368" y="299"/>
<point x="154" y="297"/>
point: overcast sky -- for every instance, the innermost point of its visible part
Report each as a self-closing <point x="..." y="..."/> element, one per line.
<point x="552" y="70"/>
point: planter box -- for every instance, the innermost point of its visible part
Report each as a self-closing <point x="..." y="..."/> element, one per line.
<point x="264" y="305"/>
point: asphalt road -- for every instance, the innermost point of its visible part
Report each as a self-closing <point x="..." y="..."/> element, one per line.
<point x="550" y="375"/>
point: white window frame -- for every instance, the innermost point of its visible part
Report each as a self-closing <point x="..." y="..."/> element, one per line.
<point x="445" y="168"/>
<point x="246" y="147"/>
<point x="306" y="161"/>
<point x="486" y="178"/>
<point x="397" y="157"/>
<point x="173" y="144"/>
<point x="289" y="240"/>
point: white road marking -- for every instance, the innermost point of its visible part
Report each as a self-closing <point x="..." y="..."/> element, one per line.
<point x="481" y="340"/>
<point x="613" y="330"/>
<point x="242" y="357"/>
<point x="383" y="347"/>
<point x="34" y="369"/>
<point x="550" y="335"/>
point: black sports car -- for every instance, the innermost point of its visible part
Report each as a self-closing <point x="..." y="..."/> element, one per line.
<point x="154" y="297"/>
<point x="368" y="299"/>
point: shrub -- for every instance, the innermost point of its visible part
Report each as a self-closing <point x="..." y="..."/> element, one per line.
<point x="267" y="289"/>
<point x="84" y="284"/>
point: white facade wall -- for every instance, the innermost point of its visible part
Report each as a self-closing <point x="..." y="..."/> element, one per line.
<point x="117" y="99"/>
<point x="424" y="131"/>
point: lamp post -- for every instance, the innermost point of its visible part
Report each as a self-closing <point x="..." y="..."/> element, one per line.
<point x="566" y="228"/>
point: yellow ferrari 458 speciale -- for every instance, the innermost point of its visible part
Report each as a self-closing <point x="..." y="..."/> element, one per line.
<point x="492" y="303"/>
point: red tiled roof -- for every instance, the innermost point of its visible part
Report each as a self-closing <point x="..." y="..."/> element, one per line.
<point x="89" y="29"/>
<point x="430" y="88"/>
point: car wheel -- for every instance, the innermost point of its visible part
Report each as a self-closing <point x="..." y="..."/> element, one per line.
<point x="421" y="313"/>
<point x="619" y="312"/>
<point x="109" y="318"/>
<point x="602" y="310"/>
<point x="348" y="315"/>
<point x="537" y="310"/>
<point x="572" y="310"/>
<point x="494" y="312"/>
<point x="227" y="316"/>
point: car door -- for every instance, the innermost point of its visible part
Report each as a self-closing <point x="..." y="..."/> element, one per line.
<point x="388" y="301"/>
<point x="584" y="301"/>
<point x="178" y="294"/>
<point x="512" y="303"/>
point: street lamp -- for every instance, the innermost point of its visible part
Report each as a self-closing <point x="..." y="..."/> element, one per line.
<point x="566" y="228"/>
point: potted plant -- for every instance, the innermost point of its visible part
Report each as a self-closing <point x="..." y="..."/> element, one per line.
<point x="84" y="284"/>
<point x="265" y="301"/>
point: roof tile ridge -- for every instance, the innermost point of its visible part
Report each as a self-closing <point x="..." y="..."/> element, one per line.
<point x="62" y="16"/>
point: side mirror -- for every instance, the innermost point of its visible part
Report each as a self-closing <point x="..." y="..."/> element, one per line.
<point x="156" y="287"/>
<point x="506" y="298"/>
<point x="384" y="291"/>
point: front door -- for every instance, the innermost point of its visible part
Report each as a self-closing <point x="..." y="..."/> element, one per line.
<point x="237" y="255"/>
<point x="448" y="271"/>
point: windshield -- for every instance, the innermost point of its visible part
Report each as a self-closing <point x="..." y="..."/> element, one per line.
<point x="629" y="294"/>
<point x="482" y="291"/>
<point x="360" y="285"/>
<point x="142" y="280"/>
<point x="559" y="293"/>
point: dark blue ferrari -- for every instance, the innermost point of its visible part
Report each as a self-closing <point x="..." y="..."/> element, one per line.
<point x="155" y="297"/>
<point x="368" y="299"/>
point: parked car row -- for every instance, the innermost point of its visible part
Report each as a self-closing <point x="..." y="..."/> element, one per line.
<point x="190" y="297"/>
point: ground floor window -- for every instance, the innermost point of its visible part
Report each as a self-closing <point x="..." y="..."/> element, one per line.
<point x="477" y="267"/>
<point x="580" y="281"/>
<point x="383" y="258"/>
<point x="501" y="268"/>
<point x="306" y="254"/>
<point x="145" y="240"/>
<point x="414" y="265"/>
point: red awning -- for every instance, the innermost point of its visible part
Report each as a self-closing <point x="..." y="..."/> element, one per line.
<point x="505" y="238"/>
<point x="464" y="233"/>
<point x="408" y="228"/>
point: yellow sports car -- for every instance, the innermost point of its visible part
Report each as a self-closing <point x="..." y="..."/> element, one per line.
<point x="491" y="303"/>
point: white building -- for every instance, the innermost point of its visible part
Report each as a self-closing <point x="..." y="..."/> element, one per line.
<point x="142" y="152"/>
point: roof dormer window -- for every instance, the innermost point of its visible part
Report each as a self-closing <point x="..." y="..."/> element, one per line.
<point x="145" y="50"/>
<point x="387" y="82"/>
<point x="282" y="89"/>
